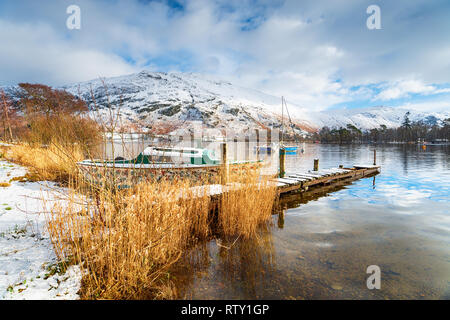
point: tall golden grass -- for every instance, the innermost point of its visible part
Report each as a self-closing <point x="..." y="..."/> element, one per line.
<point x="247" y="204"/>
<point x="63" y="129"/>
<point x="54" y="163"/>
<point x="126" y="240"/>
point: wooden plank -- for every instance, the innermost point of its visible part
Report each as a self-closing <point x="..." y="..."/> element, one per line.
<point x="333" y="170"/>
<point x="288" y="181"/>
<point x="325" y="173"/>
<point x="299" y="175"/>
<point x="366" y="167"/>
<point x="294" y="178"/>
<point x="290" y="188"/>
<point x="298" y="178"/>
<point x="320" y="172"/>
<point x="341" y="170"/>
<point x="317" y="175"/>
<point x="306" y="176"/>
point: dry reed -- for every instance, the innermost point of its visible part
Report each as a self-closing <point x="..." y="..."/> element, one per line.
<point x="54" y="163"/>
<point x="126" y="240"/>
<point x="247" y="204"/>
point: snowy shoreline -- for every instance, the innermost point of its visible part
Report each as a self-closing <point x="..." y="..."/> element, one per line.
<point x="28" y="264"/>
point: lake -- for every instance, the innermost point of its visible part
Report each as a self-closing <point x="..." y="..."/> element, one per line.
<point x="398" y="220"/>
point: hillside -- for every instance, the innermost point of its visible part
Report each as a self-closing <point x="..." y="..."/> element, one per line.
<point x="173" y="101"/>
<point x="154" y="98"/>
<point x="374" y="117"/>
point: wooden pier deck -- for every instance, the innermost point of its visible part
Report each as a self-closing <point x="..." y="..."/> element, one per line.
<point x="301" y="181"/>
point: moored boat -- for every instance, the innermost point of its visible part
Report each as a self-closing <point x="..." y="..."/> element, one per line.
<point x="155" y="163"/>
<point x="290" y="149"/>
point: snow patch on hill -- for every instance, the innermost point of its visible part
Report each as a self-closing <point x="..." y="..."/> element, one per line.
<point x="369" y="118"/>
<point x="177" y="100"/>
<point x="150" y="97"/>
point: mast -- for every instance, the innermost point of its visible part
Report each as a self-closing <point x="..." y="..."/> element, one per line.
<point x="282" y="119"/>
<point x="290" y="121"/>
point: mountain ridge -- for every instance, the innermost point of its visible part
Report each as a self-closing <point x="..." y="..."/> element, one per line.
<point x="147" y="98"/>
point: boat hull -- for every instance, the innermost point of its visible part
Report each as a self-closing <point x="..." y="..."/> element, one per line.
<point x="290" y="150"/>
<point x="126" y="175"/>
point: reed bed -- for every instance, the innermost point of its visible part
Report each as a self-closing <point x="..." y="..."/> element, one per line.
<point x="125" y="241"/>
<point x="248" y="203"/>
<point x="55" y="162"/>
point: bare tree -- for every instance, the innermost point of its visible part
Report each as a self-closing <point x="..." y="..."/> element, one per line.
<point x="6" y="113"/>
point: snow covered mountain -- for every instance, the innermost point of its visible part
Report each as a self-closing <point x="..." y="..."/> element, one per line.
<point x="150" y="98"/>
<point x="177" y="100"/>
<point x="374" y="117"/>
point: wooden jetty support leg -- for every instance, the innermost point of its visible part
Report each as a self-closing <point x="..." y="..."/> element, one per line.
<point x="257" y="145"/>
<point x="374" y="157"/>
<point x="235" y="153"/>
<point x="247" y="148"/>
<point x="316" y="164"/>
<point x="224" y="169"/>
<point x="280" y="221"/>
<point x="282" y="162"/>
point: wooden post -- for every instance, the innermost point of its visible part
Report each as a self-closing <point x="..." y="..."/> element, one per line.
<point x="341" y="166"/>
<point x="316" y="165"/>
<point x="374" y="157"/>
<point x="247" y="148"/>
<point x="224" y="173"/>
<point x="235" y="144"/>
<point x="282" y="155"/>
<point x="257" y="144"/>
<point x="281" y="219"/>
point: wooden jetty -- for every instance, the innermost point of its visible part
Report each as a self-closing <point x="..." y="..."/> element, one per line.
<point x="302" y="181"/>
<point x="296" y="181"/>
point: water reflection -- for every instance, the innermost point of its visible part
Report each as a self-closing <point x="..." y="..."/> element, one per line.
<point x="238" y="268"/>
<point x="247" y="265"/>
<point x="322" y="241"/>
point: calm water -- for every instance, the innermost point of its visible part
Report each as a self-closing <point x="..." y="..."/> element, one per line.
<point x="399" y="220"/>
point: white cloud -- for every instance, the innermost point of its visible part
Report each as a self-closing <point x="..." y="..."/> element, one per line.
<point x="312" y="52"/>
<point x="403" y="88"/>
<point x="428" y="106"/>
<point x="36" y="54"/>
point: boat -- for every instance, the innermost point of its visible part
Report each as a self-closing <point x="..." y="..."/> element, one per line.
<point x="288" y="149"/>
<point x="179" y="155"/>
<point x="265" y="149"/>
<point x="156" y="163"/>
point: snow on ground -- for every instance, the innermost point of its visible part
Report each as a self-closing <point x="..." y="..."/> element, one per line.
<point x="27" y="261"/>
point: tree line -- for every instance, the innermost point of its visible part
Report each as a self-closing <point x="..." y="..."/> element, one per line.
<point x="409" y="131"/>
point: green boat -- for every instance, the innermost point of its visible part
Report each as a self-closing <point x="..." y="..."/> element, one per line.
<point x="156" y="163"/>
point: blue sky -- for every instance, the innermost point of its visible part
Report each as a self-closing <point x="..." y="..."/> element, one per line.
<point x="318" y="54"/>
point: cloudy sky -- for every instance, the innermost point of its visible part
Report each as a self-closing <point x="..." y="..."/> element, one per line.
<point x="318" y="54"/>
